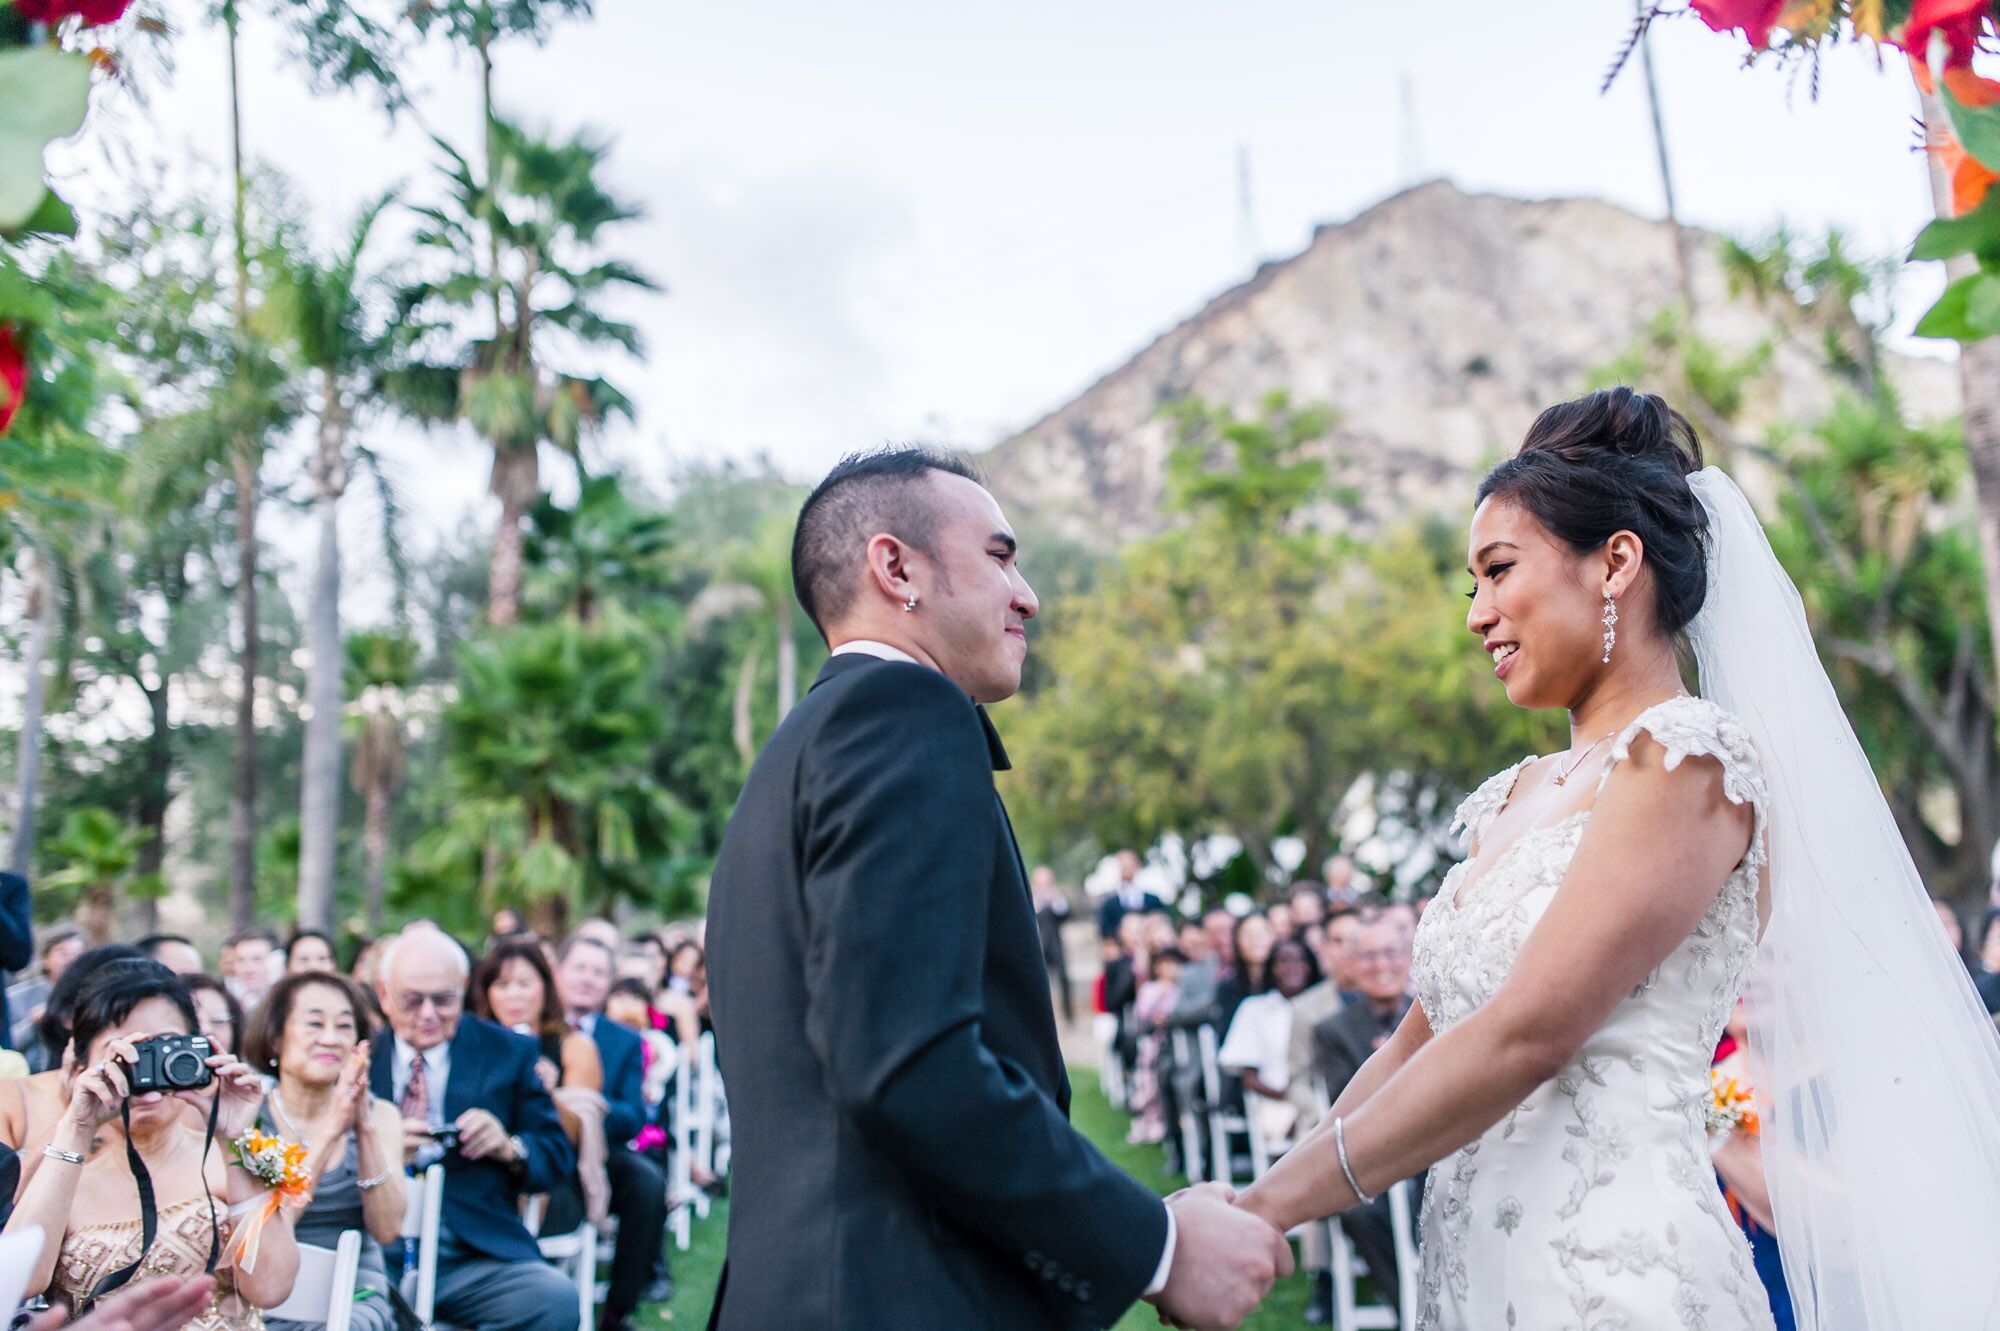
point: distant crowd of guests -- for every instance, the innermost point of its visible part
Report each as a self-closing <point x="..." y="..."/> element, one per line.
<point x="535" y="1069"/>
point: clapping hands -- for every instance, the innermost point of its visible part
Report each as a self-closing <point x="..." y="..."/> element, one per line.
<point x="1225" y="1260"/>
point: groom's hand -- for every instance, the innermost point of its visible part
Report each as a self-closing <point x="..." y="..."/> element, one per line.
<point x="1225" y="1260"/>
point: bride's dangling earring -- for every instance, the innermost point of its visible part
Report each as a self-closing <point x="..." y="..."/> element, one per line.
<point x="1610" y="626"/>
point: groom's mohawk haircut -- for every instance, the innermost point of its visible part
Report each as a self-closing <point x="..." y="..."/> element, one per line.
<point x="882" y="490"/>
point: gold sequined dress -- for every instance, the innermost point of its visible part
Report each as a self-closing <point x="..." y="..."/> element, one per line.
<point x="181" y="1247"/>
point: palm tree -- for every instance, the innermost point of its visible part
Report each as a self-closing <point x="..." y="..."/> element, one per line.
<point x="330" y="312"/>
<point x="548" y="213"/>
<point x="99" y="852"/>
<point x="380" y="669"/>
<point x="754" y="577"/>
<point x="603" y="550"/>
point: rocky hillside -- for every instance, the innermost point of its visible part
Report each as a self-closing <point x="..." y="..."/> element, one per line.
<point x="1437" y="322"/>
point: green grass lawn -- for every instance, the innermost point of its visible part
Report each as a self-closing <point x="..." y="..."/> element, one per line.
<point x="695" y="1270"/>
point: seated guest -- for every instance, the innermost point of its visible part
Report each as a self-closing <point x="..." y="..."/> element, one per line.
<point x="247" y="966"/>
<point x="310" y="1033"/>
<point x="60" y="946"/>
<point x="442" y="1066"/>
<point x="1250" y="943"/>
<point x="174" y="952"/>
<point x="31" y="1106"/>
<point x="684" y="998"/>
<point x="1988" y="981"/>
<point x="584" y="972"/>
<point x="506" y="923"/>
<point x="1257" y="1047"/>
<point x="1379" y="962"/>
<point x="513" y="987"/>
<point x="309" y="950"/>
<point x="630" y="1004"/>
<point x="220" y="1014"/>
<point x="1151" y="1012"/>
<point x="90" y="1209"/>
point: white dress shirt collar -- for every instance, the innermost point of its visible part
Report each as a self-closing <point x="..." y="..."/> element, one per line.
<point x="869" y="647"/>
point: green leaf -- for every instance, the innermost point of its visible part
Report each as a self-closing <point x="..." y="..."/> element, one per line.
<point x="43" y="96"/>
<point x="1977" y="233"/>
<point x="1968" y="310"/>
<point x="52" y="217"/>
<point x="1977" y="127"/>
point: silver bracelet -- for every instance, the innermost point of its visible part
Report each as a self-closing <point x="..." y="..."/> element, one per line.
<point x="370" y="1184"/>
<point x="1340" y="1146"/>
<point x="54" y="1152"/>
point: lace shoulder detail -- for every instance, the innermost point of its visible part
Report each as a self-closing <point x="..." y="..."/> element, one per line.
<point x="1484" y="804"/>
<point x="1695" y="727"/>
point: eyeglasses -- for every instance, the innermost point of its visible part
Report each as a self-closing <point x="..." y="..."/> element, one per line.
<point x="445" y="1002"/>
<point x="1380" y="954"/>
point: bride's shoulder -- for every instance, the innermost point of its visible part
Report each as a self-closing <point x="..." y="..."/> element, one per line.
<point x="1689" y="727"/>
<point x="1484" y="804"/>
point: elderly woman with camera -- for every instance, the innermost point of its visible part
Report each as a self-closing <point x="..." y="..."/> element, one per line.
<point x="311" y="1033"/>
<point x="136" y="1064"/>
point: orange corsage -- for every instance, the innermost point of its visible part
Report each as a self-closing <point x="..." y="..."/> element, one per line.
<point x="281" y="1166"/>
<point x="1731" y="1107"/>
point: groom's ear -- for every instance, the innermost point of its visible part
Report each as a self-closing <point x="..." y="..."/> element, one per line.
<point x="891" y="566"/>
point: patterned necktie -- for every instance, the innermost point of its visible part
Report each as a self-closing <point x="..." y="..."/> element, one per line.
<point x="416" y="1101"/>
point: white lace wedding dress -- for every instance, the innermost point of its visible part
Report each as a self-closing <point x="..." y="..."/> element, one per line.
<point x="1593" y="1206"/>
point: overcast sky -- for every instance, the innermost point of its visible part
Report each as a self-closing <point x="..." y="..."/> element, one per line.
<point x="902" y="219"/>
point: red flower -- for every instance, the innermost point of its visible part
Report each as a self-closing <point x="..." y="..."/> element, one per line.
<point x="95" y="13"/>
<point x="1958" y="20"/>
<point x="1755" y="17"/>
<point x="13" y="376"/>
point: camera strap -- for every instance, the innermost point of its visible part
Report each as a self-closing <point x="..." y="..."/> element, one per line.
<point x="149" y="1212"/>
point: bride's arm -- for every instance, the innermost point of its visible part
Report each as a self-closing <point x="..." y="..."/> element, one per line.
<point x="1410" y="1035"/>
<point x="1655" y="854"/>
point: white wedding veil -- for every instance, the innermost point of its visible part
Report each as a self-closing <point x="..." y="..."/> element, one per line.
<point x="1876" y="1068"/>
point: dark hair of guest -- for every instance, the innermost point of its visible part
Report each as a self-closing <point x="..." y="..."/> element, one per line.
<point x="204" y="982"/>
<point x="865" y="493"/>
<point x="118" y="987"/>
<point x="54" y="1026"/>
<point x="487" y="974"/>
<point x="1611" y="461"/>
<point x="265" y="1039"/>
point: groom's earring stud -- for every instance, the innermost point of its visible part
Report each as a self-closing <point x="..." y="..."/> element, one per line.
<point x="910" y="606"/>
<point x="1610" y="626"/>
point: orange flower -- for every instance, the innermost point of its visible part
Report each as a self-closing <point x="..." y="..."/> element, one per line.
<point x="1970" y="178"/>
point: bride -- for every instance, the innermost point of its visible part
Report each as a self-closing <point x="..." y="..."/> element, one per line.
<point x="1574" y="973"/>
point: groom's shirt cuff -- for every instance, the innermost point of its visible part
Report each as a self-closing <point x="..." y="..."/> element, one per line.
<point x="1166" y="1259"/>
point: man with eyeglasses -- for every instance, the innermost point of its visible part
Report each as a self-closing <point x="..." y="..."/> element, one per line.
<point x="1378" y="962"/>
<point x="470" y="1097"/>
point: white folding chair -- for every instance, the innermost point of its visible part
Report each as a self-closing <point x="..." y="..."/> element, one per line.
<point x="1221" y="1122"/>
<point x="324" y="1288"/>
<point x="574" y="1254"/>
<point x="1182" y="1044"/>
<point x="680" y="1163"/>
<point x="1351" y="1315"/>
<point x="1110" y="1072"/>
<point x="706" y="1092"/>
<point x="423" y="1218"/>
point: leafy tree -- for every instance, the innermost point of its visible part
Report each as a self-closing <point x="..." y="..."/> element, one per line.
<point x="381" y="667"/>
<point x="330" y="314"/>
<point x="605" y="549"/>
<point x="547" y="211"/>
<point x="1241" y="673"/>
<point x="99" y="853"/>
<point x="549" y="791"/>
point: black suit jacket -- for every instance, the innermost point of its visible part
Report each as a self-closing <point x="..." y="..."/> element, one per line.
<point x="1111" y="912"/>
<point x="17" y="941"/>
<point x="623" y="1056"/>
<point x="902" y="1155"/>
<point x="492" y="1069"/>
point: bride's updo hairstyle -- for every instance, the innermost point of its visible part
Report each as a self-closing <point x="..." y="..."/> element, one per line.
<point x="1613" y="461"/>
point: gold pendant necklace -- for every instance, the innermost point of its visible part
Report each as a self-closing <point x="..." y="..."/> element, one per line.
<point x="1562" y="777"/>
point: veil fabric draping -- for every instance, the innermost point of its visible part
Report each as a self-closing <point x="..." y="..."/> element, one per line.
<point x="1876" y="1067"/>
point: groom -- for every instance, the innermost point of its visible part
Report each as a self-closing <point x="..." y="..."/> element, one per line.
<point x="899" y="1110"/>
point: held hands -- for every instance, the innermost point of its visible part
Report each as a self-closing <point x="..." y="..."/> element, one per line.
<point x="1225" y="1260"/>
